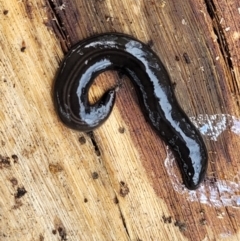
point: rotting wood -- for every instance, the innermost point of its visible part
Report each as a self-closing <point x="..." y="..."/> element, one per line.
<point x="60" y="184"/>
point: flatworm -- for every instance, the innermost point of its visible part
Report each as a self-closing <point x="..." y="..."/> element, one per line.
<point x="114" y="51"/>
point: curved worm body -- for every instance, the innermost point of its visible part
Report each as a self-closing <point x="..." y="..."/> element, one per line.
<point x="114" y="51"/>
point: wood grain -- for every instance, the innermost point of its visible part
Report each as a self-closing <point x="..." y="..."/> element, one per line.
<point x="117" y="183"/>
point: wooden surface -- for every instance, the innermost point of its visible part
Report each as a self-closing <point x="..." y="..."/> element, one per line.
<point x="121" y="182"/>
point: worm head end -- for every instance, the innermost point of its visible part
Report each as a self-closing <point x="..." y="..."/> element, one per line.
<point x="101" y="110"/>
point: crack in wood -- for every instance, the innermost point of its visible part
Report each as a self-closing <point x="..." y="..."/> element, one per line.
<point x="222" y="42"/>
<point x="123" y="221"/>
<point x="57" y="9"/>
<point x="94" y="142"/>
